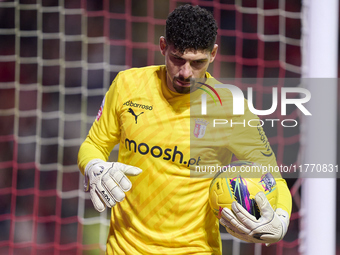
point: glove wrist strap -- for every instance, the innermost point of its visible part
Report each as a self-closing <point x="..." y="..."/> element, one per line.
<point x="91" y="163"/>
<point x="88" y="166"/>
<point x="284" y="218"/>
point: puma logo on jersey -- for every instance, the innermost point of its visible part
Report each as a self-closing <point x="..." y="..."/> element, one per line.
<point x="133" y="113"/>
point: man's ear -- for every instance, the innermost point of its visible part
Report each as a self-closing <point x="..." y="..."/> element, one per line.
<point x="162" y="45"/>
<point x="213" y="53"/>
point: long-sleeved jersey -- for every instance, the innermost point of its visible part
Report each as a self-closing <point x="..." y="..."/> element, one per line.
<point x="165" y="134"/>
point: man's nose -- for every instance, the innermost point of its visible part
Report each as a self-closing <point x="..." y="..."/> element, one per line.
<point x="186" y="70"/>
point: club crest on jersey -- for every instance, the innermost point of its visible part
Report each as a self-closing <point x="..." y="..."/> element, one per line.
<point x="99" y="114"/>
<point x="200" y="127"/>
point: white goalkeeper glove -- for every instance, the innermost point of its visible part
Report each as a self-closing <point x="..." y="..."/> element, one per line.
<point x="271" y="227"/>
<point x="107" y="182"/>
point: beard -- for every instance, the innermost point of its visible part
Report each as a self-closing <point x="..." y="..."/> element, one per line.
<point x="181" y="89"/>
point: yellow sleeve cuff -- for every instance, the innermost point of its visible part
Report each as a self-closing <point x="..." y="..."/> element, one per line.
<point x="285" y="198"/>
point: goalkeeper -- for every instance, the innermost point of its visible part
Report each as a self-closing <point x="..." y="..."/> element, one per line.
<point x="156" y="208"/>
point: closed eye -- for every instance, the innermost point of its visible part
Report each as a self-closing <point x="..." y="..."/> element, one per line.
<point x="198" y="61"/>
<point x="176" y="59"/>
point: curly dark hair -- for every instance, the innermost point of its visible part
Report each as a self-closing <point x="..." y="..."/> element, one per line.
<point x="191" y="27"/>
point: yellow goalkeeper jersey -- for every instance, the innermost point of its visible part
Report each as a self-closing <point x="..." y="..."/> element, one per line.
<point x="167" y="209"/>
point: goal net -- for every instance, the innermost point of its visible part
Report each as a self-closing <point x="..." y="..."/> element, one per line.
<point x="58" y="58"/>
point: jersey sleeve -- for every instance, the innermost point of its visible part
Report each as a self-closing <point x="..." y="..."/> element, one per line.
<point x="285" y="198"/>
<point x="105" y="131"/>
<point x="248" y="141"/>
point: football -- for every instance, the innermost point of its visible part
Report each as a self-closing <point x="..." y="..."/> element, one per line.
<point x="240" y="182"/>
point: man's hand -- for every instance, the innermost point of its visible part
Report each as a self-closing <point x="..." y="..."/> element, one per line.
<point x="107" y="182"/>
<point x="269" y="228"/>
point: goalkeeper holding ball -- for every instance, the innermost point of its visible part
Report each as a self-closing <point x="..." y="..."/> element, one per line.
<point x="156" y="208"/>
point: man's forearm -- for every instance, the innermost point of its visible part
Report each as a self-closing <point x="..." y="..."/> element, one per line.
<point x="88" y="151"/>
